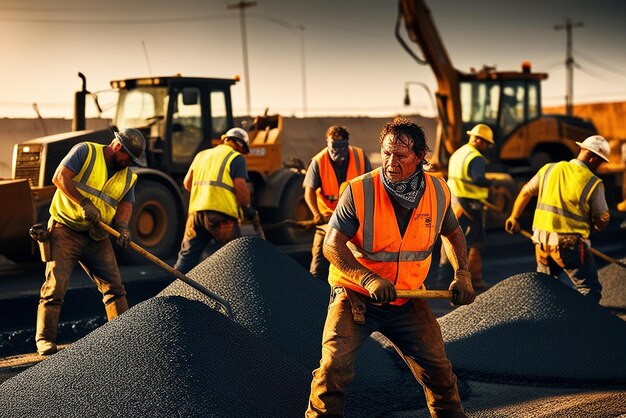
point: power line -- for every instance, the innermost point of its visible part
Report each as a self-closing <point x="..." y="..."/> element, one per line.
<point x="151" y="21"/>
<point x="600" y="64"/>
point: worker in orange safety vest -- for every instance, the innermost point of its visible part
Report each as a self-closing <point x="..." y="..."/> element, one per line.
<point x="380" y="238"/>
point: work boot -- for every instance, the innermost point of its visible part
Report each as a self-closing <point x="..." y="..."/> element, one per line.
<point x="46" y="328"/>
<point x="46" y="348"/>
<point x="475" y="262"/>
<point x="116" y="307"/>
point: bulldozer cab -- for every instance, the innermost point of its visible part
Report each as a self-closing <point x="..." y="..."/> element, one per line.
<point x="179" y="116"/>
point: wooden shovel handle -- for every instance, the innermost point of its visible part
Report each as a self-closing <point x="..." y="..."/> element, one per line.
<point x="424" y="294"/>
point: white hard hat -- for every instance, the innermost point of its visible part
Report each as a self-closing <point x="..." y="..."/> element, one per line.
<point x="238" y="134"/>
<point x="598" y="145"/>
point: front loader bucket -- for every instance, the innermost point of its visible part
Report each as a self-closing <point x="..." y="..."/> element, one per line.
<point x="17" y="215"/>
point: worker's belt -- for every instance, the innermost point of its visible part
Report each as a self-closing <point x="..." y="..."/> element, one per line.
<point x="357" y="305"/>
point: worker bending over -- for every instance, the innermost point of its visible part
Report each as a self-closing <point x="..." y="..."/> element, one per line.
<point x="335" y="164"/>
<point x="219" y="194"/>
<point x="94" y="183"/>
<point x="570" y="200"/>
<point x="380" y="239"/>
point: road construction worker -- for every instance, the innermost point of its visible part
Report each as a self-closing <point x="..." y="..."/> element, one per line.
<point x="570" y="201"/>
<point x="380" y="239"/>
<point x="94" y="183"/>
<point x="335" y="164"/>
<point x="470" y="188"/>
<point x="219" y="196"/>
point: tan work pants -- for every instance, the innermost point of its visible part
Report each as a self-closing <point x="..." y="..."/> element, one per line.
<point x="97" y="258"/>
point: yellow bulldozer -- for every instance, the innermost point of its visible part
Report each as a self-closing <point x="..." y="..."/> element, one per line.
<point x="178" y="116"/>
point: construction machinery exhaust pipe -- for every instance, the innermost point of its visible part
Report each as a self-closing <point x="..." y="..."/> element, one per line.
<point x="78" y="123"/>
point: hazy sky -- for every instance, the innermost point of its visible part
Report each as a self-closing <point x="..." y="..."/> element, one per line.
<point x="354" y="65"/>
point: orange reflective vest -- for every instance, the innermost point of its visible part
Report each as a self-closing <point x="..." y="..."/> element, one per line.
<point x="378" y="245"/>
<point x="328" y="193"/>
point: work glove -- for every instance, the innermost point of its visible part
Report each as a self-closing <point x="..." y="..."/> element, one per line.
<point x="461" y="287"/>
<point x="249" y="213"/>
<point x="512" y="225"/>
<point x="90" y="212"/>
<point x="380" y="289"/>
<point x="125" y="237"/>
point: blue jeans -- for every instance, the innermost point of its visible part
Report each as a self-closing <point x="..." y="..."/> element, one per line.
<point x="204" y="228"/>
<point x="415" y="333"/>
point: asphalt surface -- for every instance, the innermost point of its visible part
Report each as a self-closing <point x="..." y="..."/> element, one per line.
<point x="505" y="255"/>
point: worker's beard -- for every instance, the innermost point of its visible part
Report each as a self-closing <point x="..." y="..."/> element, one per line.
<point x="407" y="192"/>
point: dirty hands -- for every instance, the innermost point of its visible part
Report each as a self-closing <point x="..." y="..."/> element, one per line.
<point x="512" y="225"/>
<point x="461" y="287"/>
<point x="90" y="212"/>
<point x="380" y="289"/>
<point x="125" y="237"/>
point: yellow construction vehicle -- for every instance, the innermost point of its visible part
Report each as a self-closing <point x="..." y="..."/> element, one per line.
<point x="508" y="101"/>
<point x="178" y="116"/>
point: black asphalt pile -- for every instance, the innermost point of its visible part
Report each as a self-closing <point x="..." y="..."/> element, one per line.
<point x="275" y="298"/>
<point x="166" y="357"/>
<point x="531" y="328"/>
<point x="613" y="280"/>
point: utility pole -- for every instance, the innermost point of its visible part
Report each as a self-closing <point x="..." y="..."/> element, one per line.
<point x="303" y="63"/>
<point x="242" y="5"/>
<point x="569" y="64"/>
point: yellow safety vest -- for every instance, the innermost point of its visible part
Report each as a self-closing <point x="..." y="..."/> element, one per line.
<point x="92" y="181"/>
<point x="213" y="187"/>
<point x="563" y="201"/>
<point x="459" y="179"/>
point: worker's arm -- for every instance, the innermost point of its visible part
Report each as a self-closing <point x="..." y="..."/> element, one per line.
<point x="600" y="215"/>
<point x="122" y="217"/>
<point x="311" y="200"/>
<point x="242" y="192"/>
<point x="63" y="181"/>
<point x="456" y="250"/>
<point x="188" y="181"/>
<point x="529" y="190"/>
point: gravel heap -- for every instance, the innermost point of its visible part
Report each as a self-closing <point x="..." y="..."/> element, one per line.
<point x="613" y="280"/>
<point x="531" y="328"/>
<point x="275" y="298"/>
<point x="165" y="357"/>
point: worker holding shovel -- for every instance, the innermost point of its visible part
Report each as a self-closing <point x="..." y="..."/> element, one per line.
<point x="570" y="201"/>
<point x="94" y="184"/>
<point x="379" y="243"/>
<point x="335" y="164"/>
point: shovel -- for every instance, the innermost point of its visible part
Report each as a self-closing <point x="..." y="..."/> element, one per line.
<point x="221" y="301"/>
<point x="424" y="294"/>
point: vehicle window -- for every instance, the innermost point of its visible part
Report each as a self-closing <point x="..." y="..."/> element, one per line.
<point x="187" y="125"/>
<point x="218" y="113"/>
<point x="534" y="110"/>
<point x="512" y="112"/>
<point x="479" y="102"/>
<point x="140" y="107"/>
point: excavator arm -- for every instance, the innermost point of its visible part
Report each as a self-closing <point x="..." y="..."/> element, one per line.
<point x="421" y="30"/>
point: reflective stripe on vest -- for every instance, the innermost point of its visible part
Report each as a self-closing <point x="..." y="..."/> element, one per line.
<point x="563" y="201"/>
<point x="378" y="245"/>
<point x="459" y="179"/>
<point x="213" y="187"/>
<point x="328" y="193"/>
<point x="91" y="181"/>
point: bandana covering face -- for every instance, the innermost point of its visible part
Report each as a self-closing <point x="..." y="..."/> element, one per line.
<point x="409" y="191"/>
<point x="338" y="150"/>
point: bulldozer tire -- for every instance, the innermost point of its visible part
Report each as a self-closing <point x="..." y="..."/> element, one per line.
<point x="155" y="223"/>
<point x="293" y="206"/>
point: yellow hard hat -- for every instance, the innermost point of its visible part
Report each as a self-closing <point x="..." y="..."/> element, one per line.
<point x="483" y="132"/>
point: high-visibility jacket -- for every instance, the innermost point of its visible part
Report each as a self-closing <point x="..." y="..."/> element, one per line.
<point x="213" y="187"/>
<point x="328" y="193"/>
<point x="92" y="181"/>
<point x="459" y="179"/>
<point x="563" y="201"/>
<point x="378" y="244"/>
